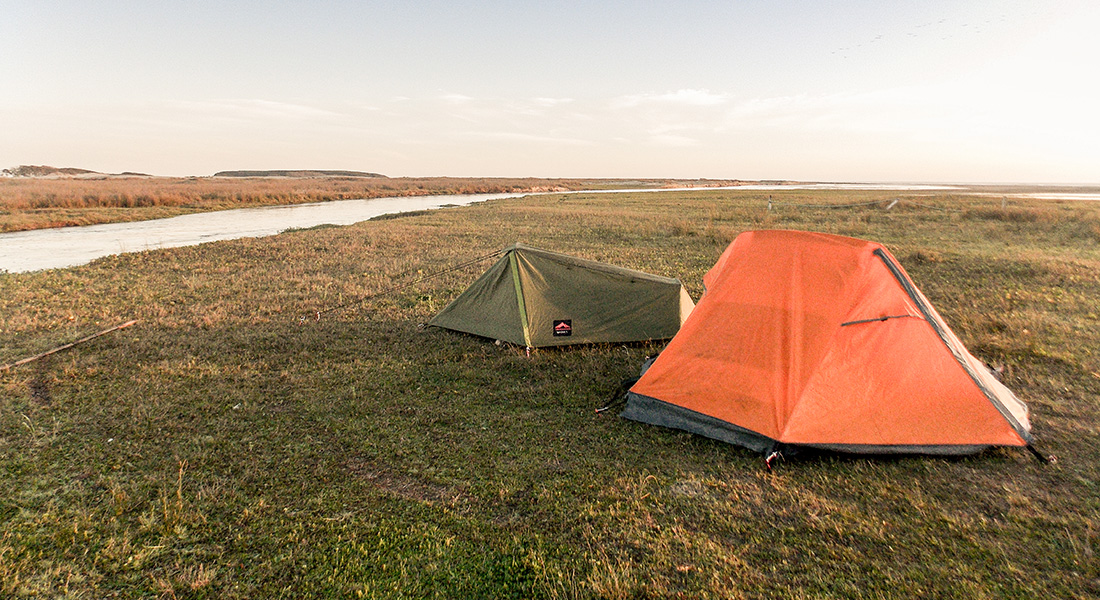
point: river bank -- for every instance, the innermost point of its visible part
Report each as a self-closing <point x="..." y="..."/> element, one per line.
<point x="28" y="203"/>
<point x="54" y="248"/>
<point x="69" y="246"/>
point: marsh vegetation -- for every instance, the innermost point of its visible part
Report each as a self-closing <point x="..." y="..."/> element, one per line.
<point x="35" y="203"/>
<point x="225" y="447"/>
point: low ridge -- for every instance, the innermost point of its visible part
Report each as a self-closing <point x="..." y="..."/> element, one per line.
<point x="296" y="173"/>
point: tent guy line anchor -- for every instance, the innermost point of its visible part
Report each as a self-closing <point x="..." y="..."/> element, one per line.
<point x="774" y="457"/>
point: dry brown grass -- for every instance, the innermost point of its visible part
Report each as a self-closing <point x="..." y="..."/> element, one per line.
<point x="35" y="203"/>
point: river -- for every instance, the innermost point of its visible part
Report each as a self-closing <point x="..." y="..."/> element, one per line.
<point x="25" y="251"/>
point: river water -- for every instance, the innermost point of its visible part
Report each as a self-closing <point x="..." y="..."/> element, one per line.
<point x="24" y="251"/>
<point x="70" y="246"/>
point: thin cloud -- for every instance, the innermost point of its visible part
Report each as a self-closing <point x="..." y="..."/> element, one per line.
<point x="685" y="97"/>
<point x="674" y="141"/>
<point x="551" y="102"/>
<point x="515" y="136"/>
<point x="254" y="109"/>
<point x="890" y="111"/>
<point x="456" y="99"/>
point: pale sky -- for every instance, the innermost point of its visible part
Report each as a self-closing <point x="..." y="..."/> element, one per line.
<point x="843" y="90"/>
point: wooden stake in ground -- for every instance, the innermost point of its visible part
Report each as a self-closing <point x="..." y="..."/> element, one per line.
<point x="66" y="346"/>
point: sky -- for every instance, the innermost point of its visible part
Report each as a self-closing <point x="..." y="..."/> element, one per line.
<point x="964" y="91"/>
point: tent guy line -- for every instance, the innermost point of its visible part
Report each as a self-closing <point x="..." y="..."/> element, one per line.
<point x="877" y="319"/>
<point x="890" y="204"/>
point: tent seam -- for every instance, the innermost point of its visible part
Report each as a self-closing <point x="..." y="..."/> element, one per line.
<point x="519" y="297"/>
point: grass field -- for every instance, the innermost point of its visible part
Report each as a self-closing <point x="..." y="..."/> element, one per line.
<point x="225" y="448"/>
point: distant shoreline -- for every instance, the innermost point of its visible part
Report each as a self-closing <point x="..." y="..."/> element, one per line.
<point x="41" y="202"/>
<point x="42" y="198"/>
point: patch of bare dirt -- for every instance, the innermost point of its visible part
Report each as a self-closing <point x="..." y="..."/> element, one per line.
<point x="405" y="485"/>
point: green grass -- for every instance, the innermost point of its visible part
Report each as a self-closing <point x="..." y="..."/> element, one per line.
<point x="225" y="448"/>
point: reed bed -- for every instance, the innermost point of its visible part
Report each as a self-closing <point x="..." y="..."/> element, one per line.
<point x="34" y="203"/>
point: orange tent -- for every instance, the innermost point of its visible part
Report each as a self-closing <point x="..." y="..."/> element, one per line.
<point x="819" y="340"/>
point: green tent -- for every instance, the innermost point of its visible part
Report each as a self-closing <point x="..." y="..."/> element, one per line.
<point x="536" y="298"/>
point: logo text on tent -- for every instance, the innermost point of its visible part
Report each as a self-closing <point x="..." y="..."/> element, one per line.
<point x="563" y="327"/>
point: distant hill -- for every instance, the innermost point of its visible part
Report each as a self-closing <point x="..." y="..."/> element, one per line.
<point x="44" y="171"/>
<point x="297" y="173"/>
